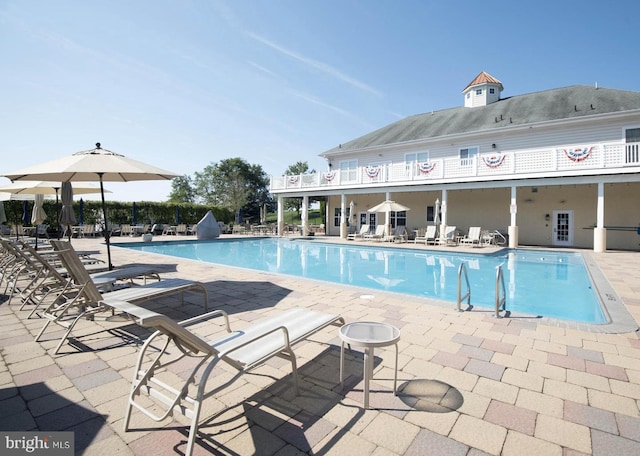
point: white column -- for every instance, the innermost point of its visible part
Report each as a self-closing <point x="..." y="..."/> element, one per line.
<point x="280" y="215"/>
<point x="513" y="227"/>
<point x="343" y="216"/>
<point x="443" y="210"/>
<point x="600" y="232"/>
<point x="305" y="215"/>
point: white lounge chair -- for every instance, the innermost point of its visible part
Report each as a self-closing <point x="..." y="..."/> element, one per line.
<point x="241" y="350"/>
<point x="472" y="237"/>
<point x="364" y="230"/>
<point x="448" y="237"/>
<point x="428" y="236"/>
<point x="88" y="300"/>
<point x="377" y="235"/>
<point x="399" y="235"/>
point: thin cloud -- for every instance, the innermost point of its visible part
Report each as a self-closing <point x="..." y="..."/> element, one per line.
<point x="325" y="68"/>
<point x="319" y="102"/>
<point x="264" y="70"/>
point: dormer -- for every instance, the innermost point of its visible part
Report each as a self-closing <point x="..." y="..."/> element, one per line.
<point x="483" y="90"/>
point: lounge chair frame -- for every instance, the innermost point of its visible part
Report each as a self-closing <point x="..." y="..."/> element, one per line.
<point x="88" y="300"/>
<point x="242" y="350"/>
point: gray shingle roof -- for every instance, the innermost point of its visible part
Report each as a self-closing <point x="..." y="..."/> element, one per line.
<point x="556" y="104"/>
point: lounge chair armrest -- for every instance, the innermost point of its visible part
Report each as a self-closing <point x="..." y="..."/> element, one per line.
<point x="207" y="316"/>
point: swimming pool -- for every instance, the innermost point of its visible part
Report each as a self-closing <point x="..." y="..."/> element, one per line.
<point x="542" y="283"/>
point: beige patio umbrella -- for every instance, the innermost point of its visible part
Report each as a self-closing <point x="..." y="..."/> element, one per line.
<point x="94" y="165"/>
<point x="387" y="207"/>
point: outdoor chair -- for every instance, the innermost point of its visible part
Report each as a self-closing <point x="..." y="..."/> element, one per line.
<point x="472" y="237"/>
<point x="448" y="237"/>
<point x="377" y="235"/>
<point x="240" y="350"/>
<point x="126" y="230"/>
<point x="181" y="228"/>
<point x="364" y="229"/>
<point x="426" y="235"/>
<point x="52" y="280"/>
<point x="88" y="299"/>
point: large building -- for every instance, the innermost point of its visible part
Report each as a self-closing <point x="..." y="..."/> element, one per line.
<point x="559" y="167"/>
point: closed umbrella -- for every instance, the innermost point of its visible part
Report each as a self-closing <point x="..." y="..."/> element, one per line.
<point x="94" y="165"/>
<point x="177" y="215"/>
<point x="352" y="215"/>
<point x="134" y="214"/>
<point x="26" y="217"/>
<point x="436" y="217"/>
<point x="81" y="212"/>
<point x="3" y="215"/>
<point x="38" y="215"/>
<point x="67" y="216"/>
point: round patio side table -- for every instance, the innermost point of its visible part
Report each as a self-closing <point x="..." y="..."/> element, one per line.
<point x="369" y="335"/>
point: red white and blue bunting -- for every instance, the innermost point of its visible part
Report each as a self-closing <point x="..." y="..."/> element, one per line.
<point x="426" y="167"/>
<point x="577" y="154"/>
<point x="493" y="160"/>
<point x="293" y="180"/>
<point x="329" y="176"/>
<point x="372" y="171"/>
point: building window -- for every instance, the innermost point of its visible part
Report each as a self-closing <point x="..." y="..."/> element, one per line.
<point x="349" y="171"/>
<point x="467" y="155"/>
<point x="337" y="211"/>
<point x="468" y="94"/>
<point x="398" y="219"/>
<point x="492" y="90"/>
<point x="478" y="91"/>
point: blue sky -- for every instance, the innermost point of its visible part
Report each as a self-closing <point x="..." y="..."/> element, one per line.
<point x="182" y="84"/>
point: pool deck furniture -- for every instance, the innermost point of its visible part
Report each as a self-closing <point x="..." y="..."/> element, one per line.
<point x="364" y="230"/>
<point x="242" y="350"/>
<point x="369" y="335"/>
<point x="88" y="299"/>
<point x="377" y="235"/>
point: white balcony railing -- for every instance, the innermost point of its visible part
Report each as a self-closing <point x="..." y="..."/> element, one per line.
<point x="556" y="162"/>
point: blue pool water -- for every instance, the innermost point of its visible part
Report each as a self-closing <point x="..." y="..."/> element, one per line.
<point x="545" y="283"/>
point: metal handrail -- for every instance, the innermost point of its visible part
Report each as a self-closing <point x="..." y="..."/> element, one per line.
<point x="462" y="269"/>
<point x="501" y="299"/>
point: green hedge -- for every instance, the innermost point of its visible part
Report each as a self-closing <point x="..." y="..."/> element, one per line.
<point x="120" y="212"/>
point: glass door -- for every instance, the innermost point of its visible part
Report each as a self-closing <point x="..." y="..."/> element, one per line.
<point x="563" y="228"/>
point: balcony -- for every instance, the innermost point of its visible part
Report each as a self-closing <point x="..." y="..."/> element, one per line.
<point x="530" y="163"/>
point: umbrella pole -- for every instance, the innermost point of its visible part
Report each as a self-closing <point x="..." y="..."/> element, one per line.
<point x="106" y="228"/>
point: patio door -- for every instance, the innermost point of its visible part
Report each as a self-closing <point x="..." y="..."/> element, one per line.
<point x="365" y="218"/>
<point x="563" y="228"/>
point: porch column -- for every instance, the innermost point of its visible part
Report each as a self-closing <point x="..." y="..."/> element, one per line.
<point x="343" y="216"/>
<point x="443" y="210"/>
<point x="600" y="232"/>
<point x="305" y="215"/>
<point x="280" y="215"/>
<point x="513" y="227"/>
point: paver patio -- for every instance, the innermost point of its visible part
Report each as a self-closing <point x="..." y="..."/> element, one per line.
<point x="469" y="384"/>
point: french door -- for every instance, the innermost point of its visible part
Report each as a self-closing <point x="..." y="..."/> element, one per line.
<point x="563" y="228"/>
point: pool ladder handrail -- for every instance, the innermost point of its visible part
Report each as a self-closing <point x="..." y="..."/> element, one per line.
<point x="501" y="293"/>
<point x="462" y="271"/>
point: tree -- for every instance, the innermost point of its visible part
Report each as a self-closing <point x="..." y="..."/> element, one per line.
<point x="235" y="184"/>
<point x="182" y="190"/>
<point x="295" y="170"/>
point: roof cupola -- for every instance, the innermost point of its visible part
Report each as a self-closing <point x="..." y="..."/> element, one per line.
<point x="483" y="90"/>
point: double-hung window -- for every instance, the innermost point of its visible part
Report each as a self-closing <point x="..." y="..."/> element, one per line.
<point x="632" y="138"/>
<point x="349" y="171"/>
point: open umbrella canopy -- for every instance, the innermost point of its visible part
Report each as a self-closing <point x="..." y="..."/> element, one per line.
<point x="25" y="187"/>
<point x="93" y="165"/>
<point x="389" y="206"/>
